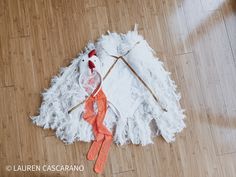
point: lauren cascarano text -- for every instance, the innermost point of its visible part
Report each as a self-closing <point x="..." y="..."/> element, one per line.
<point x="25" y="168"/>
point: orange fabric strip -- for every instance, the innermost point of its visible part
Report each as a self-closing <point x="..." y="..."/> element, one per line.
<point x="103" y="137"/>
<point x="94" y="149"/>
<point x="103" y="154"/>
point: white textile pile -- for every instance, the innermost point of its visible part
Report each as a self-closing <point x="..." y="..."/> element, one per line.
<point x="139" y="117"/>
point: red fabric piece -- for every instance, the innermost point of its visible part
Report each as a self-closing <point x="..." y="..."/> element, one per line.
<point x="91" y="64"/>
<point x="93" y="52"/>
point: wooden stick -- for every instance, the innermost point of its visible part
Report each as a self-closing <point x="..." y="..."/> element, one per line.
<point x="75" y="107"/>
<point x="144" y="83"/>
<point x="135" y="73"/>
<point x="112" y="66"/>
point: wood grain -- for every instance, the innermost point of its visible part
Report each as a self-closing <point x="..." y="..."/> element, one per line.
<point x="194" y="38"/>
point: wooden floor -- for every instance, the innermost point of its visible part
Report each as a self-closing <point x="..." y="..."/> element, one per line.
<point x="196" y="39"/>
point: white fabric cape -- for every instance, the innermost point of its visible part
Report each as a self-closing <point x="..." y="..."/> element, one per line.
<point x="140" y="117"/>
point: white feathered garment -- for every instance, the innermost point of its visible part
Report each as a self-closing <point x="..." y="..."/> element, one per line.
<point x="139" y="117"/>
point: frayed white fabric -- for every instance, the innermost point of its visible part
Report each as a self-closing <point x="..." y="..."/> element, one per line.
<point x="133" y="115"/>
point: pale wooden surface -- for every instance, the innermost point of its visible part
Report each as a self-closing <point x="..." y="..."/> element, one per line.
<point x="196" y="39"/>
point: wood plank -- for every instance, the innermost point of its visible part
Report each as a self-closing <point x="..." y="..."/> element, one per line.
<point x="228" y="9"/>
<point x="210" y="5"/>
<point x="228" y="163"/>
<point x="194" y="152"/>
<point x="216" y="71"/>
<point x="195" y="40"/>
<point x="126" y="173"/>
<point x="10" y="130"/>
<point x="6" y="78"/>
<point x="177" y="26"/>
<point x="121" y="158"/>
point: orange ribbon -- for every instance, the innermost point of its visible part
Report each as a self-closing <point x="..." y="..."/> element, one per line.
<point x="103" y="137"/>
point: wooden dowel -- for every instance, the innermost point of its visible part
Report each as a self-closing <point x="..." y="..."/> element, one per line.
<point x="134" y="72"/>
<point x="142" y="81"/>
<point x="75" y="107"/>
<point x="112" y="66"/>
